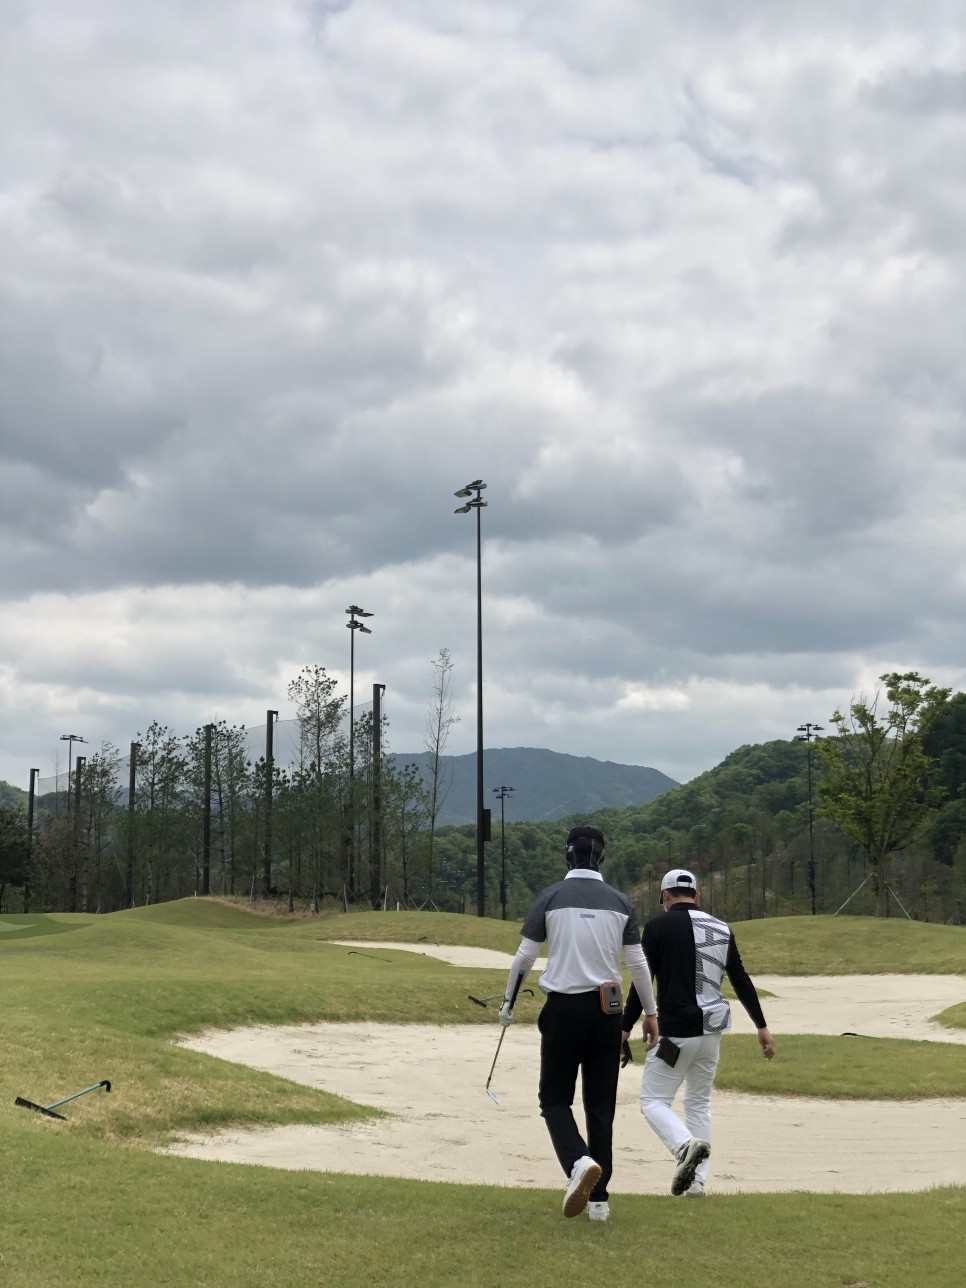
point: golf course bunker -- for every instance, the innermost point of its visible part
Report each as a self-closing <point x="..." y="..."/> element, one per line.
<point x="431" y="1079"/>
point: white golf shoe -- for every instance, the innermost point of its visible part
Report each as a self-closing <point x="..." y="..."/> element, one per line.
<point x="583" y="1177"/>
<point x="599" y="1211"/>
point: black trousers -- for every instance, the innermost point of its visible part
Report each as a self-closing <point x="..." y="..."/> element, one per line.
<point x="575" y="1035"/>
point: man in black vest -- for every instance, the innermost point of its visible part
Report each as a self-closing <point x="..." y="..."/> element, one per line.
<point x="586" y="924"/>
<point x="689" y="953"/>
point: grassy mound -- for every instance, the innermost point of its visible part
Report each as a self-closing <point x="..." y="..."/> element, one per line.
<point x="87" y="998"/>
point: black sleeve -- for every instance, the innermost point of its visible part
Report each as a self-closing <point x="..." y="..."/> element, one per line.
<point x="633" y="1010"/>
<point x="741" y="982"/>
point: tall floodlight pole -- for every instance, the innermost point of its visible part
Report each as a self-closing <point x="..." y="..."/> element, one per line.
<point x="502" y="793"/>
<point x="375" y="857"/>
<point x="206" y="815"/>
<point x="70" y="739"/>
<point x="270" y="718"/>
<point x="473" y="491"/>
<point x="31" y="797"/>
<point x="353" y="612"/>
<point x="808" y="733"/>
<point x="132" y="783"/>
<point x="79" y="764"/>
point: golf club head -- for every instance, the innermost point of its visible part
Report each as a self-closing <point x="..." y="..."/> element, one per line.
<point x="493" y="1096"/>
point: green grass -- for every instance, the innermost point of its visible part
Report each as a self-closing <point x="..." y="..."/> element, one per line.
<point x="82" y="1212"/>
<point x="954" y="1017"/>
<point x="771" y="946"/>
<point x="840" y="1068"/>
<point x="850" y="946"/>
<point x="86" y="1201"/>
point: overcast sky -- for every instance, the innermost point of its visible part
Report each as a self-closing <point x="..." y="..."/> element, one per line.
<point x="683" y="282"/>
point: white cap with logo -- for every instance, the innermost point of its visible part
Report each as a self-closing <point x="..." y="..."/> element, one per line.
<point x="680" y="880"/>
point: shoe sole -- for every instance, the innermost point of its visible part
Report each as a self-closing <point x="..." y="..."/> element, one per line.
<point x="684" y="1176"/>
<point x="575" y="1202"/>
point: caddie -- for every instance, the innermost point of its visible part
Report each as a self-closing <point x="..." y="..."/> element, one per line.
<point x="689" y="953"/>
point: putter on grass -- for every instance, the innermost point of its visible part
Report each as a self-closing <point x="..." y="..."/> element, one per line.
<point x="49" y="1109"/>
<point x="513" y="997"/>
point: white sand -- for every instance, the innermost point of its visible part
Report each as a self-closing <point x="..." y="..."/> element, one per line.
<point x="431" y="1078"/>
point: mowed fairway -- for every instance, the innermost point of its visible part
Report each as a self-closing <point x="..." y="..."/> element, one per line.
<point x="89" y="1201"/>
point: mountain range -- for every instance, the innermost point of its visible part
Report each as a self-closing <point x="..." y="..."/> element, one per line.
<point x="547" y="785"/>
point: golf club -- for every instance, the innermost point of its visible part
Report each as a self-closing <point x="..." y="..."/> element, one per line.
<point x="482" y="1001"/>
<point x="513" y="997"/>
<point x="354" y="952"/>
<point x="49" y="1109"/>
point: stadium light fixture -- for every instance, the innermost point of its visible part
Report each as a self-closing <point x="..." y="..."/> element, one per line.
<point x="353" y="612"/>
<point x="808" y="733"/>
<point x="473" y="491"/>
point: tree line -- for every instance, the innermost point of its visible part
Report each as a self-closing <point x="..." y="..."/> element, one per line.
<point x="200" y="816"/>
<point x="883" y="830"/>
<point x="878" y="827"/>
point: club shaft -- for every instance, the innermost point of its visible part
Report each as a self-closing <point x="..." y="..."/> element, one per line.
<point x="495" y="1058"/>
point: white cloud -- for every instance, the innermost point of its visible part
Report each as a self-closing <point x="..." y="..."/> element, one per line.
<point x="683" y="283"/>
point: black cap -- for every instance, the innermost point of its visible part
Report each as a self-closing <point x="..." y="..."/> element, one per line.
<point x="585" y="848"/>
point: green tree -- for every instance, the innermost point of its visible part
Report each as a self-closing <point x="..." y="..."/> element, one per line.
<point x="319" y="780"/>
<point x="98" y="807"/>
<point x="876" y="773"/>
<point x="945" y="742"/>
<point x="233" y="794"/>
<point x="438" y="724"/>
<point x="158" y="814"/>
<point x="14" y="848"/>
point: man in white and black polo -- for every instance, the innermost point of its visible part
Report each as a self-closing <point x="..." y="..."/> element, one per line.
<point x="689" y="953"/>
<point x="586" y="924"/>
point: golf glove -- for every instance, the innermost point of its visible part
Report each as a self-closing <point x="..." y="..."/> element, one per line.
<point x="506" y="1012"/>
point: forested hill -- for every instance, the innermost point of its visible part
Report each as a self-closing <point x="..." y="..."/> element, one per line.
<point x="547" y="785"/>
<point x="755" y="800"/>
<point x="13" y="796"/>
<point x="753" y="783"/>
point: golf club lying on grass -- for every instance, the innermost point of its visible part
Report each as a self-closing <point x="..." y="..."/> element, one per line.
<point x="354" y="952"/>
<point x="49" y="1109"/>
<point x="482" y="1001"/>
<point x="513" y="999"/>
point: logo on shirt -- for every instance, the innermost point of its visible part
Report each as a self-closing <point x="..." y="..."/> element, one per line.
<point x="589" y="916"/>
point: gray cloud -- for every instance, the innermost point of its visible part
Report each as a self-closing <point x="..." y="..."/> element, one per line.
<point x="684" y="285"/>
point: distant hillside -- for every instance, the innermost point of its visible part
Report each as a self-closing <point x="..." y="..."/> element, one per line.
<point x="547" y="785"/>
<point x="10" y="795"/>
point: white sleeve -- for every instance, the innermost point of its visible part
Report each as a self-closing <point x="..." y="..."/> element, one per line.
<point x="527" y="954"/>
<point x="641" y="975"/>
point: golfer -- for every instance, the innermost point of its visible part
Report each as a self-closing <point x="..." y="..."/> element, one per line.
<point x="689" y="952"/>
<point x="586" y="924"/>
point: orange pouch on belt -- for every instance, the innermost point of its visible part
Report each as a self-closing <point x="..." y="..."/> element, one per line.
<point x="611" y="997"/>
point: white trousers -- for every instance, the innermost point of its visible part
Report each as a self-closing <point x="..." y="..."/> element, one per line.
<point x="695" y="1067"/>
